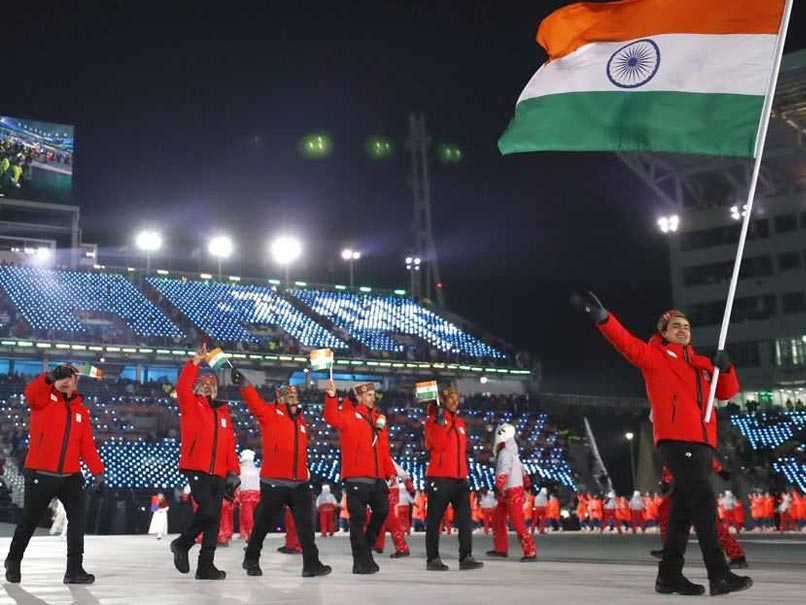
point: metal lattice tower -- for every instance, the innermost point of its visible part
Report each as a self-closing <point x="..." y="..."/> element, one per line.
<point x="423" y="281"/>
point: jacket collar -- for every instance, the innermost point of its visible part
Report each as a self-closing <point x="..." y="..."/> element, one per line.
<point x="672" y="349"/>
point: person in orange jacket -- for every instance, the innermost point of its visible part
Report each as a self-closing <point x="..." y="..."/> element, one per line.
<point x="528" y="509"/>
<point x="769" y="510"/>
<point x="540" y="514"/>
<point x="366" y="465"/>
<point x="60" y="438"/>
<point x="207" y="456"/>
<point x="738" y="515"/>
<point x="610" y="518"/>
<point x="581" y="511"/>
<point x="596" y="512"/>
<point x="553" y="514"/>
<point x="418" y="515"/>
<point x="757" y="511"/>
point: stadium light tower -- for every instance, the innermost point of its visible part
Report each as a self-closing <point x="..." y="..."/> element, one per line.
<point x="285" y="250"/>
<point x="220" y="247"/>
<point x="351" y="256"/>
<point x="149" y="241"/>
<point x="413" y="264"/>
<point x="669" y="224"/>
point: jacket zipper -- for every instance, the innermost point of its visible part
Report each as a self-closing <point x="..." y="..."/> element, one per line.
<point x="296" y="447"/>
<point x="699" y="396"/>
<point x="458" y="448"/>
<point x="374" y="443"/>
<point x="67" y="426"/>
<point x="215" y="440"/>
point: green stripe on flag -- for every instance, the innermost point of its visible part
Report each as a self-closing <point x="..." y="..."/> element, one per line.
<point x="718" y="124"/>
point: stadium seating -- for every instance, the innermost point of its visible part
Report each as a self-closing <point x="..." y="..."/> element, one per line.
<point x="794" y="472"/>
<point x="227" y="311"/>
<point x="384" y="323"/>
<point x="769" y="429"/>
<point x="82" y="303"/>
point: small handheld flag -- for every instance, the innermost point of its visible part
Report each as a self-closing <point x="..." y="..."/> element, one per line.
<point x="216" y="358"/>
<point x="426" y="391"/>
<point x="91" y="371"/>
<point x="322" y="359"/>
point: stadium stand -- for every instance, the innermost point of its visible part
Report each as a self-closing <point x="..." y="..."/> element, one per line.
<point x="84" y="306"/>
<point x="769" y="429"/>
<point x="242" y="313"/>
<point x="393" y="323"/>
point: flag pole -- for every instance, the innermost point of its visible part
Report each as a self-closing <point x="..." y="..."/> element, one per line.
<point x="761" y="138"/>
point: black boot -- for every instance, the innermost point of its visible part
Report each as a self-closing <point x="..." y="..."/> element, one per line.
<point x="180" y="557"/>
<point x="207" y="571"/>
<point x="13" y="574"/>
<point x="399" y="554"/>
<point x="317" y="569"/>
<point x="739" y="563"/>
<point x="680" y="585"/>
<point x="436" y="565"/>
<point x="658" y="554"/>
<point x="364" y="568"/>
<point x="495" y="553"/>
<point x="75" y="573"/>
<point x="252" y="567"/>
<point x="730" y="583"/>
<point x="470" y="563"/>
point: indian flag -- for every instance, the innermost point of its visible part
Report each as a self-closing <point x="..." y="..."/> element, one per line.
<point x="216" y="358"/>
<point x="686" y="76"/>
<point x="321" y="359"/>
<point x="91" y="371"/>
<point x="426" y="391"/>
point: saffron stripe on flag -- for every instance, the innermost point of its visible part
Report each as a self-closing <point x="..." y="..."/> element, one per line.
<point x="573" y="26"/>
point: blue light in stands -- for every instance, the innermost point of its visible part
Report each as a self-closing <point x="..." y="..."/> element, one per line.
<point x="225" y="311"/>
<point x="53" y="299"/>
<point x="376" y="320"/>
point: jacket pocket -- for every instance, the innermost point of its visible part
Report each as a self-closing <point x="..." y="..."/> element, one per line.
<point x="192" y="447"/>
<point x="674" y="407"/>
<point x="41" y="437"/>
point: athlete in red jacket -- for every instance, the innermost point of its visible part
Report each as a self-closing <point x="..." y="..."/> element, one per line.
<point x="446" y="480"/>
<point x="284" y="476"/>
<point x="365" y="466"/>
<point x="678" y="382"/>
<point x="207" y="456"/>
<point x="60" y="438"/>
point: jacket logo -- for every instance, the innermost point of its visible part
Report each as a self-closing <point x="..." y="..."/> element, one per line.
<point x="462" y="430"/>
<point x="280" y="413"/>
<point x="223" y="423"/>
<point x="53" y="397"/>
<point x="359" y="416"/>
<point x="78" y="417"/>
<point x="302" y="429"/>
<point x="707" y="375"/>
<point x="671" y="353"/>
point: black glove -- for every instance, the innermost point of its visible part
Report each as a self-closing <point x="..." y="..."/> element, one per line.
<point x="588" y="303"/>
<point x="238" y="378"/>
<point x="98" y="481"/>
<point x="724" y="474"/>
<point x="59" y="372"/>
<point x="721" y="361"/>
<point x="233" y="481"/>
<point x="441" y="421"/>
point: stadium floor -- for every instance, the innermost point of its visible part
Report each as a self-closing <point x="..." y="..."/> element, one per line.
<point x="572" y="568"/>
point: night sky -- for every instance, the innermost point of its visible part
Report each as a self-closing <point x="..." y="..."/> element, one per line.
<point x="188" y="116"/>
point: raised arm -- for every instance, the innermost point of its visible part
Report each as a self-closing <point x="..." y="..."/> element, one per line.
<point x="256" y="404"/>
<point x="338" y="419"/>
<point x="436" y="429"/>
<point x="37" y="392"/>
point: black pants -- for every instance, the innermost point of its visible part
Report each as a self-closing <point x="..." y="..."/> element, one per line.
<point x="208" y="492"/>
<point x="441" y="492"/>
<point x="693" y="503"/>
<point x="300" y="501"/>
<point x="40" y="489"/>
<point x="359" y="496"/>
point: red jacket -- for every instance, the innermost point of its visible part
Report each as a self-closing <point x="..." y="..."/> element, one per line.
<point x="361" y="454"/>
<point x="208" y="440"/>
<point x="60" y="431"/>
<point x="284" y="439"/>
<point x="447" y="445"/>
<point x="678" y="382"/>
